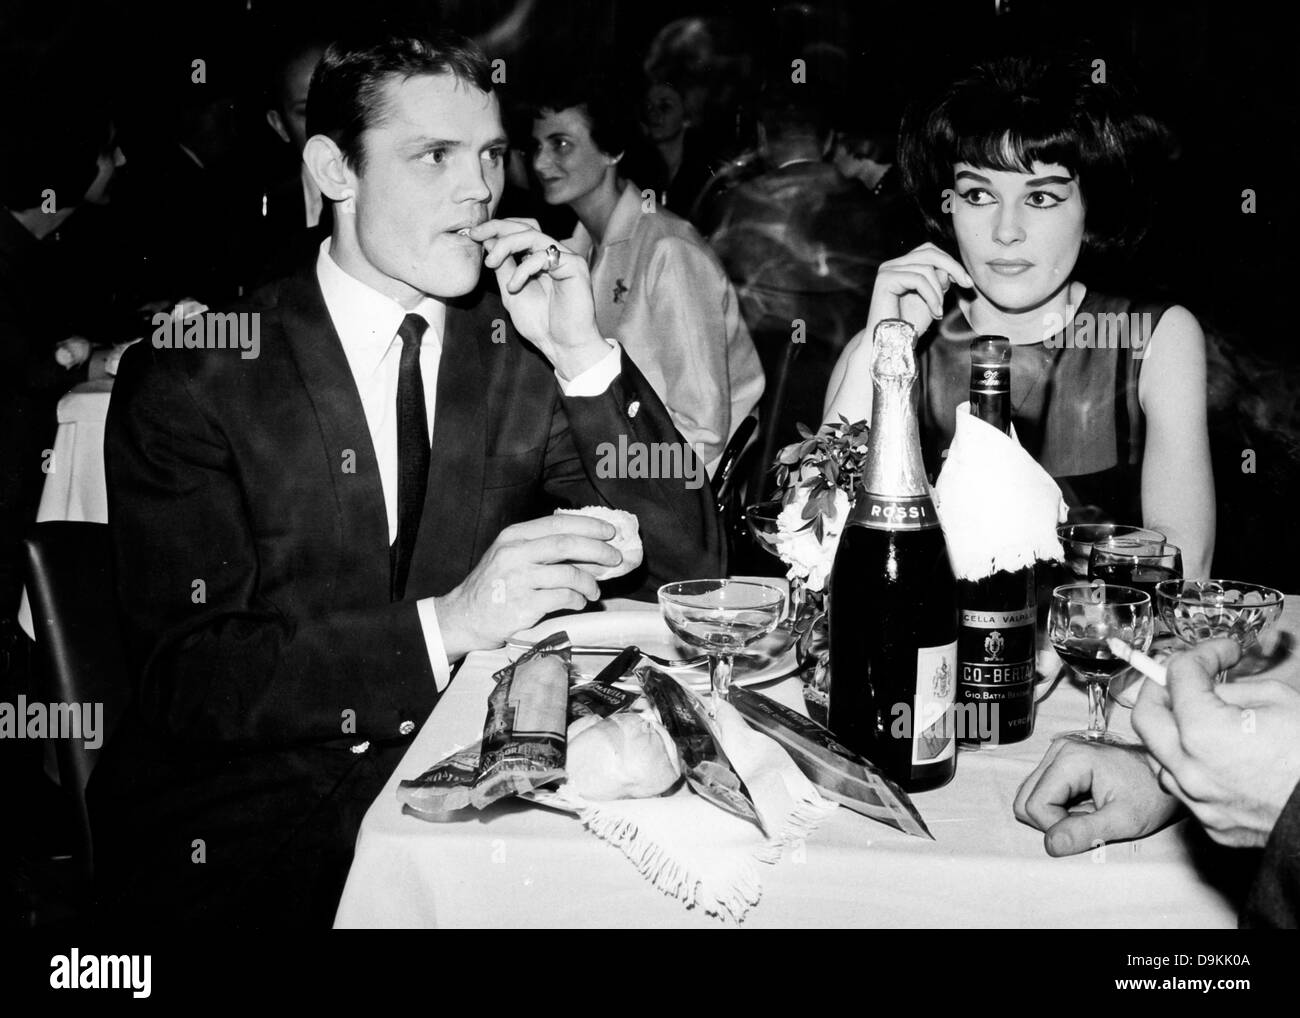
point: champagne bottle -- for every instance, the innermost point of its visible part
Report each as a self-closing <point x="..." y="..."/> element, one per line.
<point x="893" y="599"/>
<point x="995" y="696"/>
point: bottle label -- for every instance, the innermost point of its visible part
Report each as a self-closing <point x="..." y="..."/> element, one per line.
<point x="909" y="512"/>
<point x="997" y="650"/>
<point x="933" y="734"/>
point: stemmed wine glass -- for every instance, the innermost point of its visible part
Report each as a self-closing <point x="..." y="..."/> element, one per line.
<point x="1082" y="617"/>
<point x="721" y="617"/>
<point x="1137" y="564"/>
<point x="1078" y="539"/>
<point x="1199" y="610"/>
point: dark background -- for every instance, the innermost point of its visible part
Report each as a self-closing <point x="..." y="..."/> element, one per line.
<point x="1221" y="76"/>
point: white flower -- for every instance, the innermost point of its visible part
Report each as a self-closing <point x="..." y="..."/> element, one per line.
<point x="796" y="541"/>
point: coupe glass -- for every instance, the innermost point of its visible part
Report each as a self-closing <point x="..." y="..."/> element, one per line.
<point x="1078" y="538"/>
<point x="721" y="617"/>
<point x="1197" y="610"/>
<point x="1081" y="618"/>
<point x="760" y="518"/>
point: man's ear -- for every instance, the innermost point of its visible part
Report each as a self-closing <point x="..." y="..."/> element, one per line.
<point x="328" y="168"/>
<point x="277" y="125"/>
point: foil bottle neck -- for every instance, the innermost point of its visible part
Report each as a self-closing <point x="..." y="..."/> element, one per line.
<point x="895" y="468"/>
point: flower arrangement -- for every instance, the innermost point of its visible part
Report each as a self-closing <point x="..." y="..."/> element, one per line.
<point x="818" y="477"/>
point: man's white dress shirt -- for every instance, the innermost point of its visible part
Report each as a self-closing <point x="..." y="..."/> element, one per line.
<point x="367" y="324"/>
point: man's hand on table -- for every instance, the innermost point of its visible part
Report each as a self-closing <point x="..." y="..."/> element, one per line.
<point x="1127" y="801"/>
<point x="1230" y="752"/>
<point x="531" y="570"/>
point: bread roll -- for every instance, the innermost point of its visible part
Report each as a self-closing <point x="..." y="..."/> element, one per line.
<point x="627" y="540"/>
<point x="627" y="756"/>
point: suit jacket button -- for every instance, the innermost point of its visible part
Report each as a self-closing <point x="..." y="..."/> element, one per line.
<point x="634" y="408"/>
<point x="406" y="728"/>
<point x="360" y="747"/>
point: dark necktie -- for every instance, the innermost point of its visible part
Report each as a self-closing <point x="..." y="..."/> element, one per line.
<point x="412" y="451"/>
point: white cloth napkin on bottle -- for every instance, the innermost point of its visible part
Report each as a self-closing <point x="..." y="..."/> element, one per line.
<point x="998" y="508"/>
<point x="698" y="853"/>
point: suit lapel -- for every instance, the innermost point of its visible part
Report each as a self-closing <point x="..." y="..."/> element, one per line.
<point x="362" y="530"/>
<point x="444" y="548"/>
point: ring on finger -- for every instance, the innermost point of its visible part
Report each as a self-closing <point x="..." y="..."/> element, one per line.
<point x="552" y="258"/>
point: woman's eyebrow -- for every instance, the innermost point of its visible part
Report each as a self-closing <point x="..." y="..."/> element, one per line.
<point x="1040" y="181"/>
<point x="973" y="176"/>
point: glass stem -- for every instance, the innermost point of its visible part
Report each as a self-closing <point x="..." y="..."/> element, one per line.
<point x="719" y="680"/>
<point x="1097" y="706"/>
<point x="797" y="595"/>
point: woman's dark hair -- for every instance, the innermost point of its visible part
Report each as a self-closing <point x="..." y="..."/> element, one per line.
<point x="601" y="97"/>
<point x="1009" y="113"/>
<point x="347" y="87"/>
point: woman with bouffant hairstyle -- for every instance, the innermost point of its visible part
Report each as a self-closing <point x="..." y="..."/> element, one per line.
<point x="1019" y="166"/>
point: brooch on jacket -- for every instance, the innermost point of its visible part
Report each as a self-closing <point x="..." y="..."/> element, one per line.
<point x="620" y="288"/>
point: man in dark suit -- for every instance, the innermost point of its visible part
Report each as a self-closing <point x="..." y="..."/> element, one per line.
<point x="298" y="571"/>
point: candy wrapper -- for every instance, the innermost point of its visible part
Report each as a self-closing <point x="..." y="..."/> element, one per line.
<point x="598" y="699"/>
<point x="708" y="771"/>
<point x="523" y="739"/>
<point x="837" y="772"/>
<point x="524" y="736"/>
<point x="527" y="718"/>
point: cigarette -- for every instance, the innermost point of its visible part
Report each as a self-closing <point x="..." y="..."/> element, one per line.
<point x="1149" y="667"/>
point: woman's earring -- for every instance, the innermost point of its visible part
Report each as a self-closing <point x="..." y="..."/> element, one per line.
<point x="348" y="204"/>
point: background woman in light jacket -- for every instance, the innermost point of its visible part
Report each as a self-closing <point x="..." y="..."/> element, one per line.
<point x="659" y="289"/>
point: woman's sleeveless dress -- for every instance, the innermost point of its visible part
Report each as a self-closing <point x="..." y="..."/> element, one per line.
<point x="1074" y="400"/>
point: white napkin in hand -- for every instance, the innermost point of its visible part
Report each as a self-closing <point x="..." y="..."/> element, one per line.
<point x="999" y="509"/>
<point x="696" y="852"/>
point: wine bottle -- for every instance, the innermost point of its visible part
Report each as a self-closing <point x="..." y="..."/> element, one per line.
<point x="995" y="645"/>
<point x="893" y="599"/>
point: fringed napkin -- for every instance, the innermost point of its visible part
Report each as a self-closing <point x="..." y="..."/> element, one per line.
<point x="697" y="853"/>
<point x="998" y="508"/>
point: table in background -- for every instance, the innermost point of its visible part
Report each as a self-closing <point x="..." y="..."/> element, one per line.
<point x="75" y="489"/>
<point x="521" y="866"/>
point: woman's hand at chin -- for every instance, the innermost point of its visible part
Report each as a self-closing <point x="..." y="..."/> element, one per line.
<point x="910" y="287"/>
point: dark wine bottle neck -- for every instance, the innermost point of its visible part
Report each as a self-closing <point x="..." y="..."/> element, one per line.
<point x="990" y="381"/>
<point x="992" y="407"/>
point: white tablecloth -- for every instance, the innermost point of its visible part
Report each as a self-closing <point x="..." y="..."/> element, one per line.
<point x="521" y="866"/>
<point x="75" y="488"/>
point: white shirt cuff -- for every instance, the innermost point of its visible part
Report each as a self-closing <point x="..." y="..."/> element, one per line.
<point x="597" y="378"/>
<point x="433" y="642"/>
